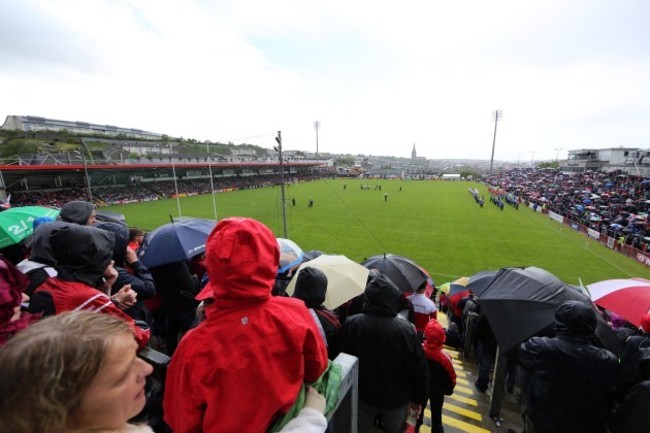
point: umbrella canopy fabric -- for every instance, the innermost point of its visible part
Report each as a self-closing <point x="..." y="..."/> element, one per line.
<point x="176" y="241"/>
<point x="16" y="222"/>
<point x="629" y="298"/>
<point x="290" y="254"/>
<point x="345" y="278"/>
<point x="454" y="289"/>
<point x="444" y="288"/>
<point x="430" y="284"/>
<point x="311" y="255"/>
<point x="521" y="302"/>
<point x="402" y="271"/>
<point x="479" y="281"/>
<point x="111" y="217"/>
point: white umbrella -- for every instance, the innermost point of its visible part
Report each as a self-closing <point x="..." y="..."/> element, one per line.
<point x="345" y="278"/>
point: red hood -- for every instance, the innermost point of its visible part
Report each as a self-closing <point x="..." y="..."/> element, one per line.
<point x="434" y="335"/>
<point x="242" y="258"/>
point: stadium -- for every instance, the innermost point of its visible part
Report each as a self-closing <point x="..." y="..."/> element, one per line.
<point x="581" y="226"/>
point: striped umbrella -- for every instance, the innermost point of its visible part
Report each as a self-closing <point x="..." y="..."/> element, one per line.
<point x="629" y="298"/>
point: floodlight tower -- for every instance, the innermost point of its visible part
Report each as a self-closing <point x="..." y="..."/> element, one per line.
<point x="316" y="128"/>
<point x="278" y="140"/>
<point x="214" y="200"/>
<point x="557" y="154"/>
<point x="496" y="116"/>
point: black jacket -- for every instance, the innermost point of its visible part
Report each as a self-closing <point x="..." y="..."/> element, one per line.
<point x="571" y="381"/>
<point x="140" y="278"/>
<point x="633" y="415"/>
<point x="311" y="288"/>
<point x="392" y="366"/>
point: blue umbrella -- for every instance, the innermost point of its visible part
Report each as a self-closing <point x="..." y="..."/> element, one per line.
<point x="586" y="201"/>
<point x="580" y="208"/>
<point x="176" y="241"/>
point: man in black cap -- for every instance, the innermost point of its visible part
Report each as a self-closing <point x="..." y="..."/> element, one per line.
<point x="571" y="381"/>
<point x="79" y="212"/>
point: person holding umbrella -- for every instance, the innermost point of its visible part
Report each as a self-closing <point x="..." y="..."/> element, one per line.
<point x="393" y="374"/>
<point x="571" y="380"/>
<point x="629" y="372"/>
<point x="311" y="287"/>
<point x="130" y="270"/>
<point x="425" y="309"/>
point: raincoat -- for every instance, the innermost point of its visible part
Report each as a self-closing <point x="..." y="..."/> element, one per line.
<point x="245" y="364"/>
<point x="83" y="255"/>
<point x="571" y="381"/>
<point x="392" y="366"/>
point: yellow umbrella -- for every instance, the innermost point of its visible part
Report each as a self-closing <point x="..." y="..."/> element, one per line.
<point x="462" y="281"/>
<point x="445" y="287"/>
<point x="345" y="278"/>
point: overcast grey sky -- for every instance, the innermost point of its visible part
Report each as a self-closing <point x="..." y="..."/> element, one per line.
<point x="378" y="75"/>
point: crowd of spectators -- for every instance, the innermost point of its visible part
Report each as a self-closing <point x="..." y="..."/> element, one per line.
<point x="614" y="203"/>
<point x="148" y="191"/>
<point x="278" y="343"/>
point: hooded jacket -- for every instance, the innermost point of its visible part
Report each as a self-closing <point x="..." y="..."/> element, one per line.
<point x="12" y="284"/>
<point x="442" y="376"/>
<point x="76" y="212"/>
<point x="139" y="278"/>
<point x="245" y="364"/>
<point x="311" y="288"/>
<point x="83" y="253"/>
<point x="40" y="265"/>
<point x="571" y="381"/>
<point x="392" y="366"/>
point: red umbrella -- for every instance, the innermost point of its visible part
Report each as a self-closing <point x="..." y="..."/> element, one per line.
<point x="629" y="298"/>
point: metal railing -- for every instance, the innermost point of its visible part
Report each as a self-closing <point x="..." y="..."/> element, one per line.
<point x="345" y="414"/>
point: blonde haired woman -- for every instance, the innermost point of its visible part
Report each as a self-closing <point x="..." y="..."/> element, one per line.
<point x="74" y="372"/>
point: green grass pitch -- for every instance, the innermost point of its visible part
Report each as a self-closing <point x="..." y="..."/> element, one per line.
<point x="437" y="224"/>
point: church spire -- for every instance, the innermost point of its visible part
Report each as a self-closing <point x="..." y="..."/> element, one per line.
<point x="414" y="154"/>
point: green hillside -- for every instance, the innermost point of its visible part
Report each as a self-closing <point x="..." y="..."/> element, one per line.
<point x="437" y="224"/>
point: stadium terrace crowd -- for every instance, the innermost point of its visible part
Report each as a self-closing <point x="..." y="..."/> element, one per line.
<point x="81" y="314"/>
<point x="148" y="191"/>
<point x="614" y="203"/>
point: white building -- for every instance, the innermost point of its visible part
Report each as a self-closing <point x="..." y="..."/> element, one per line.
<point x="631" y="160"/>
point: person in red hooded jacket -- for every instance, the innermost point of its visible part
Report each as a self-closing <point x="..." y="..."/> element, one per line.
<point x="245" y="363"/>
<point x="442" y="376"/>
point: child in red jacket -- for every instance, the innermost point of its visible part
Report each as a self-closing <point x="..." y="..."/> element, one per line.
<point x="442" y="377"/>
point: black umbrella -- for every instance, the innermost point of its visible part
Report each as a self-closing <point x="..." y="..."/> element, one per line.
<point x="404" y="272"/>
<point x="111" y="217"/>
<point x="521" y="302"/>
<point x="479" y="281"/>
<point x="311" y="255"/>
